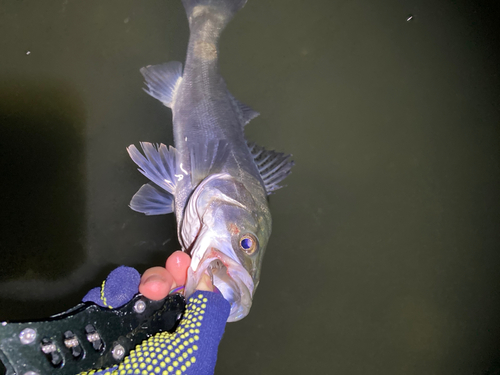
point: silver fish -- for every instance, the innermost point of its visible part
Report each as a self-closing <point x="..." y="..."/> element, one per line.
<point x="216" y="182"/>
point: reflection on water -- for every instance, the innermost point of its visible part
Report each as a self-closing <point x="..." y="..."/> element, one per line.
<point x="384" y="254"/>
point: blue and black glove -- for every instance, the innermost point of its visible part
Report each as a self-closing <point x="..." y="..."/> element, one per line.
<point x="191" y="349"/>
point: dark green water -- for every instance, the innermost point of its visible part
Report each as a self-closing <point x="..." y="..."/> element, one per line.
<point x="385" y="252"/>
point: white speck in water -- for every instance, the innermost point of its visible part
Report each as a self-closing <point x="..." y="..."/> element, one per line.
<point x="185" y="139"/>
<point x="28" y="52"/>
<point x="126" y="20"/>
<point x="409" y="18"/>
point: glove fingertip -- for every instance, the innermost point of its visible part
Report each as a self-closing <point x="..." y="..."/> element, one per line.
<point x="94" y="295"/>
<point x="121" y="285"/>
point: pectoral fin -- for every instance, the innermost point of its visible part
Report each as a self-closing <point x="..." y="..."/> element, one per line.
<point x="206" y="159"/>
<point x="273" y="166"/>
<point x="163" y="80"/>
<point x="152" y="201"/>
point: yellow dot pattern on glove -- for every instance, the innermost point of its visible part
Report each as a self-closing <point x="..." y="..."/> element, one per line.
<point x="103" y="298"/>
<point x="167" y="353"/>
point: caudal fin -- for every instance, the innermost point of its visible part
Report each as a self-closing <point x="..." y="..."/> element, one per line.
<point x="219" y="12"/>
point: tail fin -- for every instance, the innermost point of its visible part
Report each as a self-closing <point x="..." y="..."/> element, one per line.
<point x="218" y="12"/>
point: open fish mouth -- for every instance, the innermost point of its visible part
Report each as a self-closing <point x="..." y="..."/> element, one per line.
<point x="229" y="276"/>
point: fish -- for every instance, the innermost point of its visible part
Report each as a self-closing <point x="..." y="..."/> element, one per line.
<point x="215" y="181"/>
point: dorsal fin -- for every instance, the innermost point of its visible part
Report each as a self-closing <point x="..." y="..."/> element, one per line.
<point x="273" y="166"/>
<point x="244" y="112"/>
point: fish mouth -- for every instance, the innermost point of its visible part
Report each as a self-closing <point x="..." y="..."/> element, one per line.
<point x="231" y="279"/>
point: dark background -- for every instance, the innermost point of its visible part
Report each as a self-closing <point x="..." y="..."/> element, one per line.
<point x="384" y="257"/>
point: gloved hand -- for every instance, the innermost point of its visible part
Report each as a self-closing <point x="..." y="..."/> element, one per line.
<point x="192" y="348"/>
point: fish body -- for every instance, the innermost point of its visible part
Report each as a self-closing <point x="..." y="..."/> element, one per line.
<point x="214" y="180"/>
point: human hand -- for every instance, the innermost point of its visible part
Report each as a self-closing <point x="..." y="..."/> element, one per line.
<point x="157" y="282"/>
<point x="192" y="348"/>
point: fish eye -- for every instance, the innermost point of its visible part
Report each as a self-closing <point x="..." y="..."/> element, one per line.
<point x="249" y="244"/>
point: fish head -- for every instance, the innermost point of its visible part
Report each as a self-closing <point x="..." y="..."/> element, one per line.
<point x="225" y="228"/>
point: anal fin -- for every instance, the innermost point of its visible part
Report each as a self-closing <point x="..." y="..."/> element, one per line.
<point x="163" y="80"/>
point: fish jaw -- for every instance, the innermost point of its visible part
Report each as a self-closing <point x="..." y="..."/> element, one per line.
<point x="229" y="276"/>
